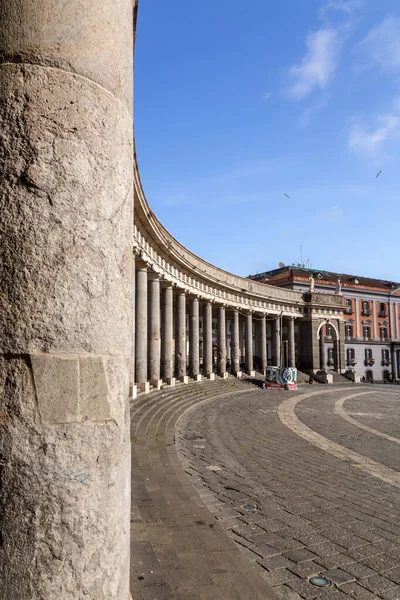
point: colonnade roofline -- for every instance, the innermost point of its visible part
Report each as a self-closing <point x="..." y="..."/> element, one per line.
<point x="164" y="254"/>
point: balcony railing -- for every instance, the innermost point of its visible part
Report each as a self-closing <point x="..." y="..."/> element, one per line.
<point x="351" y="362"/>
<point x="382" y="313"/>
<point x="330" y="362"/>
<point x="369" y="362"/>
<point x="385" y="362"/>
<point x="366" y="312"/>
<point x="348" y="310"/>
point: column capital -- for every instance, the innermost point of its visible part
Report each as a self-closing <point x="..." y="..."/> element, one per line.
<point x="153" y="276"/>
<point x="140" y="265"/>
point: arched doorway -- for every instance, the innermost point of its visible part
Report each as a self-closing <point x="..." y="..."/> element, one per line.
<point x="369" y="376"/>
<point x="329" y="347"/>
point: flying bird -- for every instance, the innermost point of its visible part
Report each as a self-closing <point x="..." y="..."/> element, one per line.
<point x="286" y="195"/>
<point x="377" y="175"/>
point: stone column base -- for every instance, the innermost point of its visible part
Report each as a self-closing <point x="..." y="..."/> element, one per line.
<point x="170" y="381"/>
<point x="251" y="373"/>
<point x="144" y="387"/>
<point x="211" y="376"/>
<point x="133" y="392"/>
<point x="238" y="374"/>
<point x="184" y="379"/>
<point x="224" y="375"/>
<point x="156" y="383"/>
<point x="197" y="378"/>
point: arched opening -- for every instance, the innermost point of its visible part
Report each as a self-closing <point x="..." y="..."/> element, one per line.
<point x="329" y="348"/>
<point x="370" y="376"/>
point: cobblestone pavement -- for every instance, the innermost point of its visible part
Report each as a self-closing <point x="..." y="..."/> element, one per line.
<point x="323" y="474"/>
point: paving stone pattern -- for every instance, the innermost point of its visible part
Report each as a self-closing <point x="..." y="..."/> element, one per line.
<point x="179" y="550"/>
<point x="315" y="514"/>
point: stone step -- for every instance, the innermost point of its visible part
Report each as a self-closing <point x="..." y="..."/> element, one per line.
<point x="179" y="550"/>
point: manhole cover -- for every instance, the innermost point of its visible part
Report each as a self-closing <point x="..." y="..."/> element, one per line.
<point x="320" y="581"/>
<point x="249" y="507"/>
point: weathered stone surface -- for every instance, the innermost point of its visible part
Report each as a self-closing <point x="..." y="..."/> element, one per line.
<point x="66" y="213"/>
<point x="56" y="382"/>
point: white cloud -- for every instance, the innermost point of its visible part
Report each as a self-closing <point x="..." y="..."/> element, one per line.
<point x="348" y="7"/>
<point x="312" y="110"/>
<point x="334" y="213"/>
<point x="381" y="46"/>
<point x="370" y="142"/>
<point x="268" y="95"/>
<point x="317" y="66"/>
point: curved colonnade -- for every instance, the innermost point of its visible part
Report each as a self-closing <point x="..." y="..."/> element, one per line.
<point x="176" y="292"/>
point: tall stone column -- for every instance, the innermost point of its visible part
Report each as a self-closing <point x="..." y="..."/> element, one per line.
<point x="66" y="215"/>
<point x="194" y="364"/>
<point x="249" y="344"/>
<point x="154" y="330"/>
<point x="132" y="386"/>
<point x="207" y="341"/>
<point x="322" y="358"/>
<point x="242" y="349"/>
<point x="276" y="342"/>
<point x="291" y="344"/>
<point x="221" y="343"/>
<point x="235" y="350"/>
<point x="263" y="344"/>
<point x="180" y="337"/>
<point x="141" y="328"/>
<point x="167" y="324"/>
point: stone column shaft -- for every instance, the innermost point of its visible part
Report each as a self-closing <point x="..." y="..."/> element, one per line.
<point x="221" y="342"/>
<point x="242" y="350"/>
<point x="194" y="364"/>
<point x="263" y="344"/>
<point x="141" y="327"/>
<point x="322" y="357"/>
<point x="249" y="343"/>
<point x="180" y="337"/>
<point x="66" y="216"/>
<point x="207" y="340"/>
<point x="276" y="342"/>
<point x="291" y="344"/>
<point x="167" y="370"/>
<point x="235" y="350"/>
<point x="154" y="330"/>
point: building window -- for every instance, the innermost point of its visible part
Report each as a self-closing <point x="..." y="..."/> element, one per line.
<point x="329" y="331"/>
<point x="348" y="306"/>
<point x="351" y="357"/>
<point x="385" y="357"/>
<point x="383" y="331"/>
<point x="366" y="308"/>
<point x="369" y="359"/>
<point x="214" y="326"/>
<point x="349" y="329"/>
<point x="367" y="330"/>
<point x="382" y="309"/>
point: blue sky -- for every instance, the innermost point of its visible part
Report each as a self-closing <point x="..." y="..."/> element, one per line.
<point x="238" y="104"/>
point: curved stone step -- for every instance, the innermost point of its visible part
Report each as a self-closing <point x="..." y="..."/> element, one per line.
<point x="179" y="550"/>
